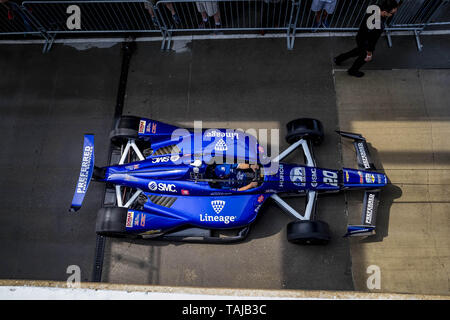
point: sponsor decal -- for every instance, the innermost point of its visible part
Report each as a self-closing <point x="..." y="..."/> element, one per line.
<point x="142" y="220"/>
<point x="220" y="193"/>
<point x="224" y="219"/>
<point x="220" y="134"/>
<point x="184" y="192"/>
<point x="346" y="176"/>
<point x="85" y="168"/>
<point x="165" y="187"/>
<point x="370" y="178"/>
<point x="221" y="146"/>
<point x="297" y="176"/>
<point x="362" y="153"/>
<point x="281" y="174"/>
<point x="260" y="198"/>
<point x="130" y="215"/>
<point x="218" y="205"/>
<point x="260" y="149"/>
<point x="313" y="177"/>
<point x="361" y="180"/>
<point x="142" y="126"/>
<point x="161" y="159"/>
<point x="133" y="167"/>
<point x="136" y="219"/>
<point x="151" y="127"/>
<point x="174" y="158"/>
<point x="369" y="210"/>
<point x="380" y="178"/>
<point x="257" y="208"/>
<point x="152" y="185"/>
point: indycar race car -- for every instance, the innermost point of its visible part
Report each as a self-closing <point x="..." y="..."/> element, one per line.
<point x="208" y="185"/>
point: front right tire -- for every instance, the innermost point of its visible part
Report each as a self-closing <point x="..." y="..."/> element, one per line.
<point x="306" y="232"/>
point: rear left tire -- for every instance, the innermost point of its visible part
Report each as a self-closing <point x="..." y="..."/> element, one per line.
<point x="305" y="128"/>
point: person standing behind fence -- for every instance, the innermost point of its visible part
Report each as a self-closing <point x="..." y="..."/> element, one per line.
<point x="322" y="9"/>
<point x="13" y="7"/>
<point x="169" y="5"/>
<point x="208" y="9"/>
<point x="366" y="39"/>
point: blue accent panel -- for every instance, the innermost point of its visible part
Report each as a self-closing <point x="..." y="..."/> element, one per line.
<point x="359" y="230"/>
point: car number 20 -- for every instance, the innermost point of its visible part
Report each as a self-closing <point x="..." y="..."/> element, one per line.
<point x="330" y="178"/>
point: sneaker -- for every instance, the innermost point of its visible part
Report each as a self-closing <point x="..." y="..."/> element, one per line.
<point x="358" y="74"/>
<point x="176" y="18"/>
<point x="204" y="24"/>
<point x="217" y="32"/>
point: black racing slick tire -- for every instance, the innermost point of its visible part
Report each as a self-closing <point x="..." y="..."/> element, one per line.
<point x="111" y="222"/>
<point x="305" y="128"/>
<point x="307" y="232"/>
<point x="127" y="127"/>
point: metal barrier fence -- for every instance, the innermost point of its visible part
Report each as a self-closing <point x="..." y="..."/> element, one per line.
<point x="169" y="17"/>
<point x="227" y="16"/>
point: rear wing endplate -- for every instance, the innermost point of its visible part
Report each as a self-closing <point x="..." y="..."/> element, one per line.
<point x="86" y="171"/>
<point x="362" y="151"/>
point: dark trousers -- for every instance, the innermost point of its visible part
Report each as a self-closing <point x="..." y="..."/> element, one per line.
<point x="359" y="52"/>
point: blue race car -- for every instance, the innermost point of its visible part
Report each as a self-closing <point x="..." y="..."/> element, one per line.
<point x="208" y="185"/>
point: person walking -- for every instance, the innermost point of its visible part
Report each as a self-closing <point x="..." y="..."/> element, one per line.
<point x="366" y="39"/>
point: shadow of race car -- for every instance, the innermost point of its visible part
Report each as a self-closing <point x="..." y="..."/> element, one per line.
<point x="208" y="185"/>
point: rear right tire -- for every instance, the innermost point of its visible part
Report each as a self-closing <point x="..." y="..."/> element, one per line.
<point x="111" y="222"/>
<point x="126" y="128"/>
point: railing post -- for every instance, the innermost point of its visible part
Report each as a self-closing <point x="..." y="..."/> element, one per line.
<point x="292" y="26"/>
<point x="167" y="36"/>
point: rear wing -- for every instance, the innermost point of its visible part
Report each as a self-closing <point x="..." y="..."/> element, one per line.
<point x="362" y="151"/>
<point x="371" y="197"/>
<point x="86" y="171"/>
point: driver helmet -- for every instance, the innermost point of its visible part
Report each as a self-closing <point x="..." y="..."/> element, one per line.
<point x="222" y="171"/>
